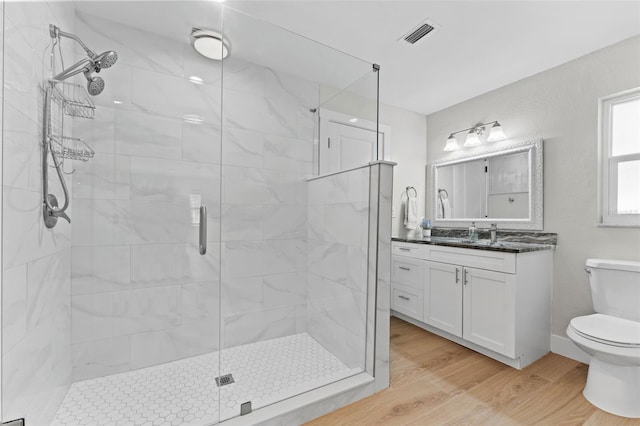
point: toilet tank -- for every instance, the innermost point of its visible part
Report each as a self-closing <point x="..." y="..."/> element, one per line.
<point x="615" y="287"/>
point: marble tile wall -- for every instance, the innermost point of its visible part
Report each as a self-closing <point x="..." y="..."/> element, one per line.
<point x="141" y="294"/>
<point x="36" y="264"/>
<point x="380" y="260"/>
<point x="338" y="242"/>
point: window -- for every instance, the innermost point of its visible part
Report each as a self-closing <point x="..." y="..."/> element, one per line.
<point x="620" y="159"/>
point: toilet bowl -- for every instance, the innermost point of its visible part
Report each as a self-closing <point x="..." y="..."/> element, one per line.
<point x="612" y="337"/>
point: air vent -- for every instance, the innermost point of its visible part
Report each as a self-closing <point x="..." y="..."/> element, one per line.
<point x="419" y="32"/>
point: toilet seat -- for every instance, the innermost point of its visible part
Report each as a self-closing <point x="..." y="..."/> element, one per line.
<point x="608" y="330"/>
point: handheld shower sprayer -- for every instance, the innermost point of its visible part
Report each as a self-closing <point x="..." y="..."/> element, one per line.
<point x="94" y="63"/>
<point x="95" y="85"/>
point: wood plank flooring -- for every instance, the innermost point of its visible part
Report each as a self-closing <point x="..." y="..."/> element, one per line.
<point x="437" y="382"/>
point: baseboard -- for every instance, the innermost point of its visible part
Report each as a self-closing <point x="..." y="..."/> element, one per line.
<point x="562" y="345"/>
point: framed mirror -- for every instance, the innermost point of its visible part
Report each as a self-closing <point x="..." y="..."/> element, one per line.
<point x="503" y="187"/>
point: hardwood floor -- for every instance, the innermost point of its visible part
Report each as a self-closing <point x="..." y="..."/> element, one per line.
<point x="436" y="382"/>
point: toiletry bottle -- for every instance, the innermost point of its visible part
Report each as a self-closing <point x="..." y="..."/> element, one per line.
<point x="494" y="233"/>
<point x="472" y="232"/>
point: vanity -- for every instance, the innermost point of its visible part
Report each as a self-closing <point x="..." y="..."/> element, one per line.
<point x="492" y="297"/>
<point x="495" y="300"/>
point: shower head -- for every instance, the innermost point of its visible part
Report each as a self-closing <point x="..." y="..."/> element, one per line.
<point x="105" y="59"/>
<point x="95" y="85"/>
<point x="94" y="63"/>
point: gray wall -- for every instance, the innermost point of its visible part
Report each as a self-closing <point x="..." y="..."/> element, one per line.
<point x="561" y="106"/>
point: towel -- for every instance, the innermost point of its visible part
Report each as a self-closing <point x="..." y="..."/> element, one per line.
<point x="446" y="208"/>
<point x="411" y="213"/>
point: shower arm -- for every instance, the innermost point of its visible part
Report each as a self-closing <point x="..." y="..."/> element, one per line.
<point x="51" y="212"/>
<point x="84" y="65"/>
<point x="56" y="32"/>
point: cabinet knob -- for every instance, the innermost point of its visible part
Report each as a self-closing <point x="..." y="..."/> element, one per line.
<point x="404" y="297"/>
<point x="404" y="268"/>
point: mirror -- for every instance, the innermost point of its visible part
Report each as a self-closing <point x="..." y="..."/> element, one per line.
<point x="503" y="187"/>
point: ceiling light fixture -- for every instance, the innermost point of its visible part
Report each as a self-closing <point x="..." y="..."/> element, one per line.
<point x="209" y="44"/>
<point x="496" y="133"/>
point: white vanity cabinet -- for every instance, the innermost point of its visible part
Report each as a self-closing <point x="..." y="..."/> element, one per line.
<point x="495" y="302"/>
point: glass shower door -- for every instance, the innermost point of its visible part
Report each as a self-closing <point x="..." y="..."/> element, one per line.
<point x="286" y="328"/>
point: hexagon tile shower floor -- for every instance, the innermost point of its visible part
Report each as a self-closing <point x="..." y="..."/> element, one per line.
<point x="184" y="392"/>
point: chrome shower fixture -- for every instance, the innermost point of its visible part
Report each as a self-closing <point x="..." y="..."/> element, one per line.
<point x="94" y="63"/>
<point x="95" y="85"/>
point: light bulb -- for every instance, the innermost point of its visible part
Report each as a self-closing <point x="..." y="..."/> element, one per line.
<point x="472" y="138"/>
<point x="452" y="144"/>
<point x="496" y="133"/>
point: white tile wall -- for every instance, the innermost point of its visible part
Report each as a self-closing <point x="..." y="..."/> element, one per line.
<point x="338" y="229"/>
<point x="138" y="282"/>
<point x="36" y="334"/>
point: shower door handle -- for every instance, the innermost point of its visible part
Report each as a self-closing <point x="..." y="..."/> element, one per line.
<point x="203" y="230"/>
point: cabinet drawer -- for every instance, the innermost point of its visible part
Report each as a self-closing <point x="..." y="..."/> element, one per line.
<point x="418" y="251"/>
<point x="473" y="258"/>
<point x="408" y="272"/>
<point x="407" y="301"/>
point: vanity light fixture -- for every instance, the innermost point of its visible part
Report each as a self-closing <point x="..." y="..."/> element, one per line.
<point x="209" y="44"/>
<point x="496" y="133"/>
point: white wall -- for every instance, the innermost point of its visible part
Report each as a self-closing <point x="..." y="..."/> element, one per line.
<point x="36" y="328"/>
<point x="561" y="106"/>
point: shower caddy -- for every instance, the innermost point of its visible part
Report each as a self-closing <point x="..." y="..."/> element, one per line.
<point x="63" y="99"/>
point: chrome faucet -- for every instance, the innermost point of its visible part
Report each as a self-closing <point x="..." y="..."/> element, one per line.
<point x="494" y="233"/>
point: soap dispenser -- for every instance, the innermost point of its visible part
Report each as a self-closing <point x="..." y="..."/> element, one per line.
<point x="473" y="235"/>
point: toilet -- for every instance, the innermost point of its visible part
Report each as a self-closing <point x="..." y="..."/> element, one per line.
<point x="611" y="336"/>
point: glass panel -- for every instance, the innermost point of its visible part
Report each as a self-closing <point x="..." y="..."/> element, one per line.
<point x="625" y="127"/>
<point x="629" y="187"/>
<point x="117" y="309"/>
<point x="349" y="133"/>
<point x="275" y="342"/>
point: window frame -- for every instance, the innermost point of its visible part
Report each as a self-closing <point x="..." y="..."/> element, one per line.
<point x="608" y="170"/>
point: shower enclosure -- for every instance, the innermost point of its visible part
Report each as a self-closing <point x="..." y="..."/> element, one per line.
<point x="207" y="271"/>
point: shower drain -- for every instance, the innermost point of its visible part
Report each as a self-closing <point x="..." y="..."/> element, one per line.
<point x="227" y="379"/>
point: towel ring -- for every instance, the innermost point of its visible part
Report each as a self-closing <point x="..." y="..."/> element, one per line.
<point x="408" y="188"/>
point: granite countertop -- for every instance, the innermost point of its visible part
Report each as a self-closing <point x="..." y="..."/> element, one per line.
<point x="509" y="241"/>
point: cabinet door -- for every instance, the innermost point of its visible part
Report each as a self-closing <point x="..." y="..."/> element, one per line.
<point x="489" y="310"/>
<point x="443" y="297"/>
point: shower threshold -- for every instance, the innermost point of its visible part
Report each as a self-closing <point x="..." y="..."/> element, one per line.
<point x="185" y="392"/>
